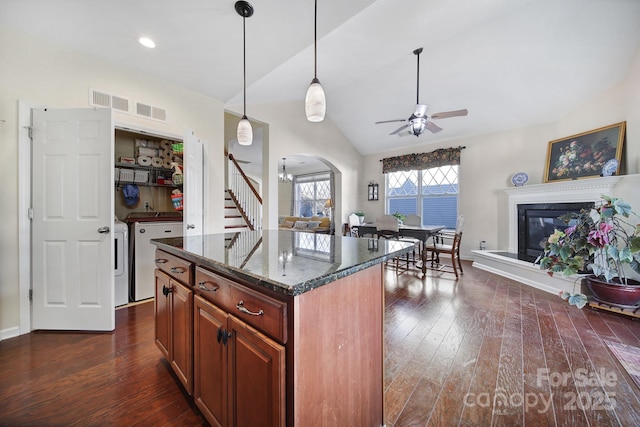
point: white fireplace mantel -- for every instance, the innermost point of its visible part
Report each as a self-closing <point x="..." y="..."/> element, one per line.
<point x="581" y="190"/>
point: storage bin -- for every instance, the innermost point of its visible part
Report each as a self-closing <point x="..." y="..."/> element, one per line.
<point x="126" y="175"/>
<point x="141" y="176"/>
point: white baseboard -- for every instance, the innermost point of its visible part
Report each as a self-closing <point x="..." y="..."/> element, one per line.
<point x="523" y="272"/>
<point x="9" y="333"/>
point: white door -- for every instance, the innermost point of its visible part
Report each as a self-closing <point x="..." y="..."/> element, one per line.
<point x="72" y="243"/>
<point x="193" y="185"/>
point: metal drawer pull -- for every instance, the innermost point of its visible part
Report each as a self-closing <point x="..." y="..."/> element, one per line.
<point x="161" y="261"/>
<point x="240" y="306"/>
<point x="177" y="270"/>
<point x="203" y="287"/>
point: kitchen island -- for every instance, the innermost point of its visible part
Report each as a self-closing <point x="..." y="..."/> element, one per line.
<point x="274" y="327"/>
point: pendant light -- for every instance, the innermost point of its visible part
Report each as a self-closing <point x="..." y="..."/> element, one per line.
<point x="284" y="176"/>
<point x="315" y="103"/>
<point x="245" y="133"/>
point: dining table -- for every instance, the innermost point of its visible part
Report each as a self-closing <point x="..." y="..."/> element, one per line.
<point x="420" y="232"/>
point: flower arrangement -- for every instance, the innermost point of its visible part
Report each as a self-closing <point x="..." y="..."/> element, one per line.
<point x="600" y="239"/>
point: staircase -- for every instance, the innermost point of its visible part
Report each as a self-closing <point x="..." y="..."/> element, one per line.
<point x="243" y="204"/>
<point x="233" y="220"/>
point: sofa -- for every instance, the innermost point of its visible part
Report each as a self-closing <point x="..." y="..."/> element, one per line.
<point x="316" y="224"/>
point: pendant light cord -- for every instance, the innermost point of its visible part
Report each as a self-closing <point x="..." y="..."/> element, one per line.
<point x="315" y="41"/>
<point x="244" y="67"/>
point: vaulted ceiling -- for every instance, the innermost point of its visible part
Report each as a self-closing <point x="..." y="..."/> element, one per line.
<point x="511" y="63"/>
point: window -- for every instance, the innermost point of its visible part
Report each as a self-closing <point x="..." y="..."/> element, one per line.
<point x="311" y="192"/>
<point x="431" y="193"/>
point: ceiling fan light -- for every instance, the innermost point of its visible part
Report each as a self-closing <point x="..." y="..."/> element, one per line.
<point x="315" y="103"/>
<point x="418" y="125"/>
<point x="245" y="132"/>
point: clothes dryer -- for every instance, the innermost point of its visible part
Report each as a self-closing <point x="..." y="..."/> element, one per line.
<point x="121" y="272"/>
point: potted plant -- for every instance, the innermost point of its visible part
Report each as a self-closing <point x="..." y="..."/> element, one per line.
<point x="601" y="240"/>
<point x="400" y="217"/>
<point x="360" y="216"/>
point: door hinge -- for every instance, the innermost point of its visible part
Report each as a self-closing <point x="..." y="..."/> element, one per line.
<point x="29" y="131"/>
<point x="30" y="213"/>
<point x="30" y="294"/>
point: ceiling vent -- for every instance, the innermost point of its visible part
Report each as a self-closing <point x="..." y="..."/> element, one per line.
<point x="103" y="99"/>
<point x="151" y="112"/>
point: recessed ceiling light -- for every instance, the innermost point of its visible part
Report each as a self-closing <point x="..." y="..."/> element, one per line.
<point x="147" y="42"/>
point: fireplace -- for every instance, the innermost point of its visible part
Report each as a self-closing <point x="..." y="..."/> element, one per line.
<point x="575" y="193"/>
<point x="537" y="221"/>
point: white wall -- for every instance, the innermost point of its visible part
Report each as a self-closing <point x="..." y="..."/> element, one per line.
<point x="290" y="133"/>
<point x="489" y="161"/>
<point x="40" y="73"/>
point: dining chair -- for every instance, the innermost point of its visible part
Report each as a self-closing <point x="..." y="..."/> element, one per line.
<point x="354" y="222"/>
<point x="413" y="219"/>
<point x="387" y="227"/>
<point x="447" y="243"/>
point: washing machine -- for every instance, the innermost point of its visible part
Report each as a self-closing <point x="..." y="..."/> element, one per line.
<point x="144" y="254"/>
<point x="121" y="244"/>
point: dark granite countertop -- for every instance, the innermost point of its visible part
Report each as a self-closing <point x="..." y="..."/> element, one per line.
<point x="286" y="262"/>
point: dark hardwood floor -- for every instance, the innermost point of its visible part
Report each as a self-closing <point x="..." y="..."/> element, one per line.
<point x="481" y="351"/>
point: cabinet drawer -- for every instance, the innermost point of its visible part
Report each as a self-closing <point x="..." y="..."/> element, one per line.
<point x="175" y="267"/>
<point x="264" y="313"/>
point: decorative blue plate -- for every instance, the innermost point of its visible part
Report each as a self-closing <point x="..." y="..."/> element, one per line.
<point x="519" y="179"/>
<point x="610" y="167"/>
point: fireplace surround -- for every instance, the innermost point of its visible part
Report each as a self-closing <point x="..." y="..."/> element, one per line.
<point x="505" y="261"/>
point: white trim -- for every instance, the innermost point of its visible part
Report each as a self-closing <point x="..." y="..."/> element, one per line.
<point x="24" y="204"/>
<point x="9" y="333"/>
<point x="523" y="272"/>
<point x="147" y="131"/>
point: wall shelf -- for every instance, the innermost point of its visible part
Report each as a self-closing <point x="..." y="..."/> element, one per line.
<point x="152" y="173"/>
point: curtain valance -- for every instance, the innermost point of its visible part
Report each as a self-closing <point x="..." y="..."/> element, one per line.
<point x="419" y="161"/>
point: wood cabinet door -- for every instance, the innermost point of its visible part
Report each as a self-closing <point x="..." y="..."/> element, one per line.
<point x="210" y="362"/>
<point x="182" y="333"/>
<point x="256" y="377"/>
<point x="162" y="306"/>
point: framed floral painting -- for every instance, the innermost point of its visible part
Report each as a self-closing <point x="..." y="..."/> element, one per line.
<point x="584" y="155"/>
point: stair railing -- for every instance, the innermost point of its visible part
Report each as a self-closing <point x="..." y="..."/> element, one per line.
<point x="244" y="195"/>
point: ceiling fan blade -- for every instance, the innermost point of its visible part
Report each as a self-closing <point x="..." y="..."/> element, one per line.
<point x="405" y="133"/>
<point x="390" y="121"/>
<point x="446" y="114"/>
<point x="399" y="129"/>
<point x="421" y="110"/>
<point x="433" y="127"/>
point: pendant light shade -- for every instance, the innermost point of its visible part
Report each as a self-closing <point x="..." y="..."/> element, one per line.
<point x="315" y="103"/>
<point x="244" y="133"/>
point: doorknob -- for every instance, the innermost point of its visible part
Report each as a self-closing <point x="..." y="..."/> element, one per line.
<point x="191" y="226"/>
<point x="103" y="230"/>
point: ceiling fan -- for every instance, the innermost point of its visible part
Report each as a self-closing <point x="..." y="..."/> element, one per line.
<point x="420" y="120"/>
